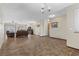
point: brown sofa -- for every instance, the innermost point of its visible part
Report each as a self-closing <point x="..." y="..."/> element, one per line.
<point x="19" y="33"/>
<point x="10" y="34"/>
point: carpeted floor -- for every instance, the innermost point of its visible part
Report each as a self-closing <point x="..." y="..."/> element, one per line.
<point x="37" y="46"/>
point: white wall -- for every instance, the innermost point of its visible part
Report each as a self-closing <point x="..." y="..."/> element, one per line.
<point x="66" y="27"/>
<point x="1" y="34"/>
<point x="44" y="28"/>
<point x="59" y="32"/>
<point x="72" y="37"/>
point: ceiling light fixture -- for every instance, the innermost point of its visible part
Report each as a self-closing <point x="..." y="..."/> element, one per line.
<point x="46" y="8"/>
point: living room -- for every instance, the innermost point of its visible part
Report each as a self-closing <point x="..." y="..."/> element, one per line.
<point x="54" y="27"/>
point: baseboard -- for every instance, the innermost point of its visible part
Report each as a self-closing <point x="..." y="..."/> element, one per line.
<point x="43" y="35"/>
<point x="72" y="47"/>
<point x="57" y="38"/>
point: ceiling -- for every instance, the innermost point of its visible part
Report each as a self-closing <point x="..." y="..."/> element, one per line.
<point x="30" y="11"/>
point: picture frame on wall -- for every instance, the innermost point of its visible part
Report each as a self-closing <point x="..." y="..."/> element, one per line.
<point x="54" y="24"/>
